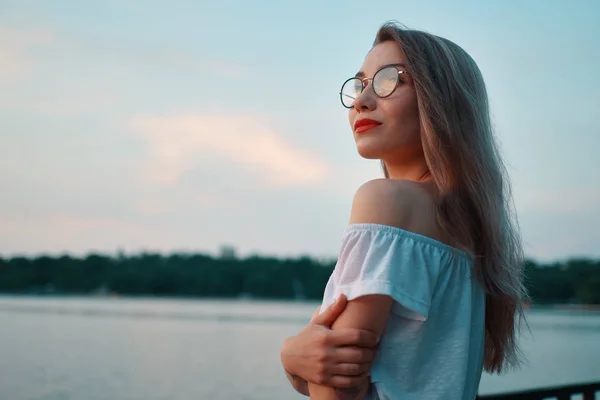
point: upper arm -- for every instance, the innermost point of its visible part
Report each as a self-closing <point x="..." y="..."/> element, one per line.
<point x="366" y="312"/>
<point x="364" y="272"/>
<point x="383" y="202"/>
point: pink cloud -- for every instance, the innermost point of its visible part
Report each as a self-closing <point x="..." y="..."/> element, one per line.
<point x="176" y="143"/>
<point x="161" y="207"/>
<point x="59" y="232"/>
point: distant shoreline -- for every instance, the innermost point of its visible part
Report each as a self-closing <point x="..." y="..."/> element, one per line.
<point x="116" y="296"/>
<point x="577" y="307"/>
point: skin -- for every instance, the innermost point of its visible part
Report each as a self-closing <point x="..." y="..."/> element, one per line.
<point x="338" y="359"/>
<point x="398" y="140"/>
<point x="405" y="201"/>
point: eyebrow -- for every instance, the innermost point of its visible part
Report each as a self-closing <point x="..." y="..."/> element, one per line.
<point x="361" y="74"/>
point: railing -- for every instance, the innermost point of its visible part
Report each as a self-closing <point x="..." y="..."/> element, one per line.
<point x="588" y="391"/>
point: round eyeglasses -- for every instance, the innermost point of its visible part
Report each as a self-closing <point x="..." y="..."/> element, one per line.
<point x="384" y="83"/>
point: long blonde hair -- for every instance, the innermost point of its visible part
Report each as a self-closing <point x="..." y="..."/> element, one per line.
<point x="475" y="203"/>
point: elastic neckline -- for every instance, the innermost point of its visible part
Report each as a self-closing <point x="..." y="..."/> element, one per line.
<point x="403" y="232"/>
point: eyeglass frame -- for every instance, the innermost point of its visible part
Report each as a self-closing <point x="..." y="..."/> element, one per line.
<point x="400" y="72"/>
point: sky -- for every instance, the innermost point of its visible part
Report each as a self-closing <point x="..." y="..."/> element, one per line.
<point x="183" y="126"/>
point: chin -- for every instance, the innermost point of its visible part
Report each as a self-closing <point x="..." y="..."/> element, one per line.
<point x="369" y="152"/>
<point x="370" y="146"/>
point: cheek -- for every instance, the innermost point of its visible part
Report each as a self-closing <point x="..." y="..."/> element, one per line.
<point x="351" y="117"/>
<point x="403" y="114"/>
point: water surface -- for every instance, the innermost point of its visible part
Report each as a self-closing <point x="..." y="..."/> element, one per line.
<point x="155" y="349"/>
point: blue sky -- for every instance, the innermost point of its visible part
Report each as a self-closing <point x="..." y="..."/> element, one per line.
<point x="187" y="125"/>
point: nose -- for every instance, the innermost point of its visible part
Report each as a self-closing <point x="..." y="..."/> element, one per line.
<point x="365" y="101"/>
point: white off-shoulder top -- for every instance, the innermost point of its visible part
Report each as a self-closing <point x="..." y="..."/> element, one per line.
<point x="432" y="346"/>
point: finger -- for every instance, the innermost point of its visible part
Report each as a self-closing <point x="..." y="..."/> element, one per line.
<point x="353" y="355"/>
<point x="328" y="317"/>
<point x="348" y="369"/>
<point x="315" y="314"/>
<point x="354" y="337"/>
<point x="344" y="382"/>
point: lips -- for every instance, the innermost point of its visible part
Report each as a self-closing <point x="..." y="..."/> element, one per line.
<point x="364" y="124"/>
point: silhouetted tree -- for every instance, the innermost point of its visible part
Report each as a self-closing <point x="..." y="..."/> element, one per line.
<point x="199" y="275"/>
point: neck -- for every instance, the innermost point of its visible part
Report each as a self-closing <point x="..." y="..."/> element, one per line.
<point x="417" y="172"/>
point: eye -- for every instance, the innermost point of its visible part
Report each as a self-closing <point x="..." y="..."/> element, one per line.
<point x="385" y="81"/>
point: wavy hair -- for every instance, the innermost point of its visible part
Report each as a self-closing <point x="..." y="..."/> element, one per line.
<point x="475" y="203"/>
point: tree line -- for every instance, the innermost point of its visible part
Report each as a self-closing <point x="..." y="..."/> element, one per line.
<point x="227" y="276"/>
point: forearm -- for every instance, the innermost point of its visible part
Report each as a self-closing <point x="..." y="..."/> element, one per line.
<point x="317" y="392"/>
<point x="298" y="383"/>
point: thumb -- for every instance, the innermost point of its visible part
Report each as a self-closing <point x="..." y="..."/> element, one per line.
<point x="328" y="317"/>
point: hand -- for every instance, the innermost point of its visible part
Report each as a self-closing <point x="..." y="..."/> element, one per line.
<point x="319" y="355"/>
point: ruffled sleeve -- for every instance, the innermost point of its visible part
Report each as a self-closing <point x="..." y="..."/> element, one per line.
<point x="381" y="259"/>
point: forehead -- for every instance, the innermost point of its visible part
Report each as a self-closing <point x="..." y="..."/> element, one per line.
<point x="382" y="54"/>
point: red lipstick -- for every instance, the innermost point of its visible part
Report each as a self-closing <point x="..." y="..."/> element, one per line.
<point x="364" y="124"/>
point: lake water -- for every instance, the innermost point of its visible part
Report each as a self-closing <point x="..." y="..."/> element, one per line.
<point x="156" y="349"/>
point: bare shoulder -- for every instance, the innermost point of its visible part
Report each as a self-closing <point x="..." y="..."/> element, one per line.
<point x="403" y="204"/>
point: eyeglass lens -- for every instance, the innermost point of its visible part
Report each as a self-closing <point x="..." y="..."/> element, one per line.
<point x="384" y="82"/>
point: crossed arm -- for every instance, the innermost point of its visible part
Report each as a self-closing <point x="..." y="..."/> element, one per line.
<point x="366" y="312"/>
<point x="340" y="358"/>
<point x="370" y="312"/>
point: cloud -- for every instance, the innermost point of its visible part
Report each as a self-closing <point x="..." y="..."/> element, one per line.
<point x="70" y="224"/>
<point x="60" y="232"/>
<point x="170" y="206"/>
<point x="178" y="144"/>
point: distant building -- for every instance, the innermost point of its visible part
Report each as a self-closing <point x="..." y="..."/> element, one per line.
<point x="228" y="253"/>
<point x="298" y="289"/>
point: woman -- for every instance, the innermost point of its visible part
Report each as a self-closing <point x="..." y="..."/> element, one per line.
<point x="431" y="262"/>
